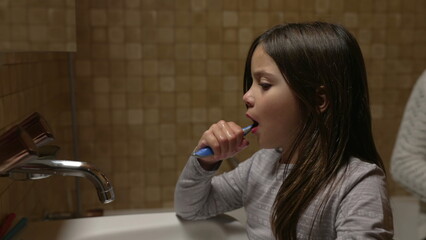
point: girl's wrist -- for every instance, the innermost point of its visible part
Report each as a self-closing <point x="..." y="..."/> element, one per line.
<point x="209" y="166"/>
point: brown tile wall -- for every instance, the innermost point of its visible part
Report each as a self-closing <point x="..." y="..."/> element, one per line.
<point x="37" y="25"/>
<point x="31" y="82"/>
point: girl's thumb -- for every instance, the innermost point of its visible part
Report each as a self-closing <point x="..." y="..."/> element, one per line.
<point x="243" y="144"/>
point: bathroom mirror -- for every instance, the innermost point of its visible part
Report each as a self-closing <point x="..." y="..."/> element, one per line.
<point x="37" y="25"/>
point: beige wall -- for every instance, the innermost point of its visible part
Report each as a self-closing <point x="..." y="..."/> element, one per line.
<point x="153" y="75"/>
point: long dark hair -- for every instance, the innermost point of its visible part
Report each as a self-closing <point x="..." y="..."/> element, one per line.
<point x="318" y="59"/>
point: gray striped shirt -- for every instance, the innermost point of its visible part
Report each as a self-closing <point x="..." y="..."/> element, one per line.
<point x="358" y="209"/>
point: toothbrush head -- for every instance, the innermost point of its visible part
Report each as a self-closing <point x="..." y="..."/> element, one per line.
<point x="246" y="130"/>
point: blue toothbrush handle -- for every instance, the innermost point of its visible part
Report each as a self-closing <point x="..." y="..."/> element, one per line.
<point x="203" y="152"/>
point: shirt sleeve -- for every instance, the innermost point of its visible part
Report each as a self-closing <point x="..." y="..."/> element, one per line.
<point x="200" y="195"/>
<point x="408" y="163"/>
<point x="364" y="212"/>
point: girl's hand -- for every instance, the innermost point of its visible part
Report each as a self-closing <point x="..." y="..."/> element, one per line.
<point x="226" y="139"/>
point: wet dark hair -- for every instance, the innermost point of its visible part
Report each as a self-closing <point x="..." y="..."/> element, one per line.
<point x="318" y="59"/>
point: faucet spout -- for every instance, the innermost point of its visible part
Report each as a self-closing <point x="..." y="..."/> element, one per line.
<point x="71" y="168"/>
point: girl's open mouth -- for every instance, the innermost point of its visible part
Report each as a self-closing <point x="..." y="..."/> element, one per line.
<point x="255" y="127"/>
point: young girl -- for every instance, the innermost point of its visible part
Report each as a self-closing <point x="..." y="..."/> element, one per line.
<point x="318" y="174"/>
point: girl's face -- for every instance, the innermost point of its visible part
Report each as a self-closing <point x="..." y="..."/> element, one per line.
<point x="271" y="103"/>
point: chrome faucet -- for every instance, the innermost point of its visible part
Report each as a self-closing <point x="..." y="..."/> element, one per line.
<point x="41" y="168"/>
<point x="24" y="155"/>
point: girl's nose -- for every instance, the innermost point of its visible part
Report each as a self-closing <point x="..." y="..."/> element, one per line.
<point x="248" y="99"/>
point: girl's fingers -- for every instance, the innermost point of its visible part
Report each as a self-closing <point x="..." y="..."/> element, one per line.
<point x="229" y="136"/>
<point x="224" y="138"/>
<point x="222" y="133"/>
<point x="237" y="133"/>
<point x="232" y="140"/>
<point x="209" y="140"/>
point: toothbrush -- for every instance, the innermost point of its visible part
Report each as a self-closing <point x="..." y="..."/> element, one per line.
<point x="207" y="151"/>
<point x="7" y="224"/>
<point x="15" y="230"/>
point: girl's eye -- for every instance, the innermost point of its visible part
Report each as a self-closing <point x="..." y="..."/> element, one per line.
<point x="265" y="86"/>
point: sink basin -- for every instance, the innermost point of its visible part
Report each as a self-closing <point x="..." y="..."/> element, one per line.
<point x="159" y="226"/>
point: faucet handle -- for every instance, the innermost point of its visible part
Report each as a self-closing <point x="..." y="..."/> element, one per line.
<point x="16" y="148"/>
<point x="48" y="151"/>
<point x="38" y="129"/>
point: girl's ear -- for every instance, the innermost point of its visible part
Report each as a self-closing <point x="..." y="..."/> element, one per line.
<point x="322" y="100"/>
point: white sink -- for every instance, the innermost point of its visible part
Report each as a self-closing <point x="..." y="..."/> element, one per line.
<point x="137" y="226"/>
